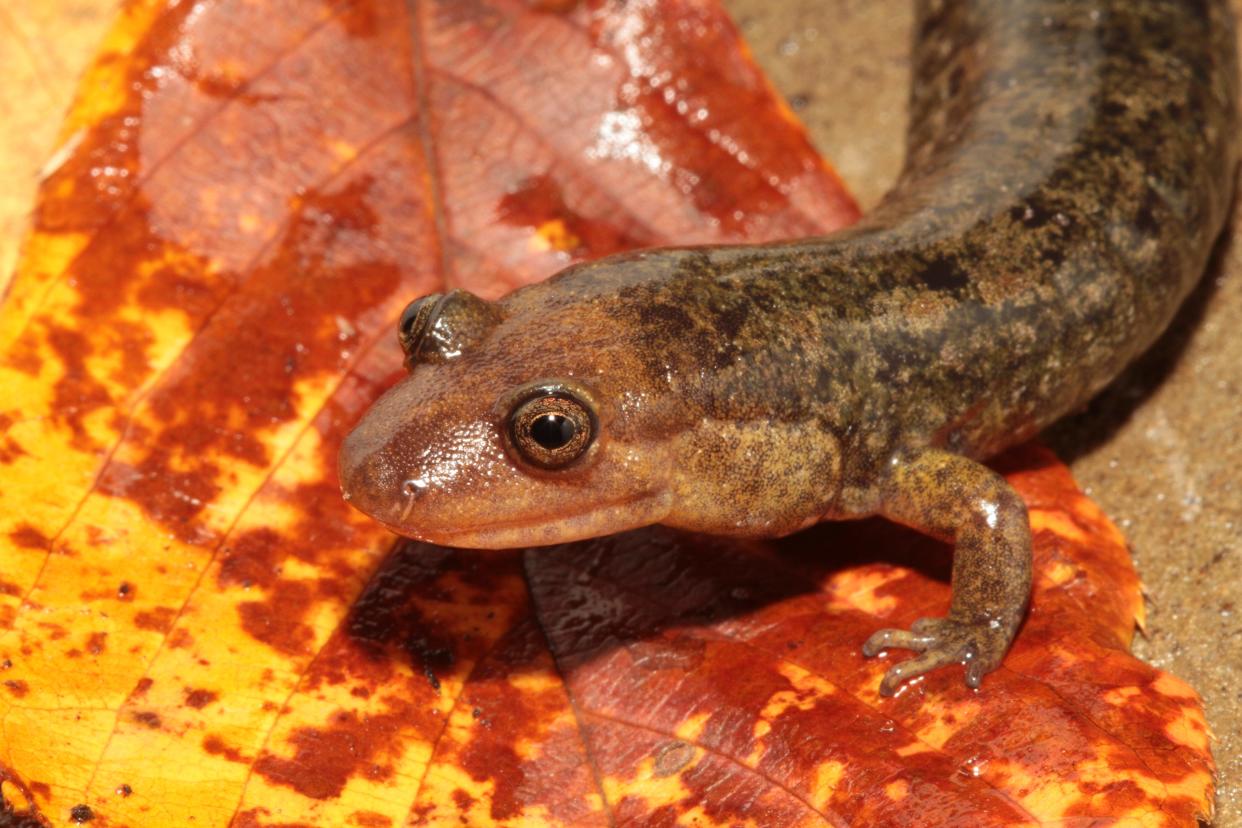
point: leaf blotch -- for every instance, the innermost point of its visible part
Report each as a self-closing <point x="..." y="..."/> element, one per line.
<point x="29" y="537"/>
<point x="148" y="718"/>
<point x="325" y="759"/>
<point x="216" y="746"/>
<point x="198" y="699"/>
<point x="538" y="202"/>
<point x="277" y="621"/>
<point x="158" y="619"/>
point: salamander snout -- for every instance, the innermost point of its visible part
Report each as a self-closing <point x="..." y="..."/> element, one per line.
<point x="370" y="479"/>
<point x="425" y="463"/>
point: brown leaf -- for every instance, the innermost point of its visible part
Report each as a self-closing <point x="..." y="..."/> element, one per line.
<point x="195" y="629"/>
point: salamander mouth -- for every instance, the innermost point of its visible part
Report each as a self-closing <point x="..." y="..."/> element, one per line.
<point x="629" y="513"/>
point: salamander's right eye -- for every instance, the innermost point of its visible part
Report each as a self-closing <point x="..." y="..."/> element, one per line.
<point x="552" y="429"/>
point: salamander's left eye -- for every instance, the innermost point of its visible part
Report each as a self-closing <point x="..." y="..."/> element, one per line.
<point x="414" y="322"/>
<point x="552" y="429"/>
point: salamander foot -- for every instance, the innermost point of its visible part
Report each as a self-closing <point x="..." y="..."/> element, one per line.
<point x="980" y="645"/>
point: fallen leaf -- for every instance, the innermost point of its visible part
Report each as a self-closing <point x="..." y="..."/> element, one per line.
<point x="195" y="629"/>
<point x="44" y="46"/>
<point x="722" y="680"/>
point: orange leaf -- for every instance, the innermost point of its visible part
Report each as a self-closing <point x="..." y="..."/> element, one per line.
<point x="195" y="629"/>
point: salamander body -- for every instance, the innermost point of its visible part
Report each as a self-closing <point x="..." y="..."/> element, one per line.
<point x="1069" y="166"/>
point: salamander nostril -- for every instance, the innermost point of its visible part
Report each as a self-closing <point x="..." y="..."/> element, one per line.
<point x="413" y="488"/>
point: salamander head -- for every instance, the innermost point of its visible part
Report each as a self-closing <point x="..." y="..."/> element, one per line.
<point x="522" y="422"/>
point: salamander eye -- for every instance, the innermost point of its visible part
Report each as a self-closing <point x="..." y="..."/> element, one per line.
<point x="551" y="430"/>
<point x="413" y="324"/>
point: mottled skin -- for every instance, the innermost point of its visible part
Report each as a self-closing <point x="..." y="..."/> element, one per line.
<point x="1070" y="163"/>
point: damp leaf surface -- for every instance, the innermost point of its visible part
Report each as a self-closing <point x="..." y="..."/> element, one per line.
<point x="195" y="629"/>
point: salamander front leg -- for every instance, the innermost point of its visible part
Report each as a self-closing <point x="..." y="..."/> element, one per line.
<point x="950" y="496"/>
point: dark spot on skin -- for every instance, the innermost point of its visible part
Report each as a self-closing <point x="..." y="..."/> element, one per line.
<point x="944" y="274"/>
<point x="955" y="79"/>
<point x="1053" y="254"/>
<point x="124" y="791"/>
<point x="824" y="379"/>
<point x="1114" y="109"/>
<point x="764" y="295"/>
<point x="81" y="813"/>
<point x="1031" y="214"/>
<point x="1147" y="218"/>
<point x="729" y="319"/>
<point x="96" y="643"/>
<point x="198" y="699"/>
<point x="141" y="688"/>
<point x="370" y="819"/>
<point x="1198" y="8"/>
<point x="935" y="22"/>
<point x="125" y="591"/>
<point x="669" y="317"/>
<point x="18" y="688"/>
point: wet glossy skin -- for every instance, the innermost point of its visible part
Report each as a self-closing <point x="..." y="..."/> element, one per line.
<point x="1069" y="167"/>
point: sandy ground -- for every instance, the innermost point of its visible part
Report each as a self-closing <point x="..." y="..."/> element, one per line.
<point x="1159" y="450"/>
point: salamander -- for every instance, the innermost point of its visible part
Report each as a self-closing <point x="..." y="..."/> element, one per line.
<point x="1069" y="167"/>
